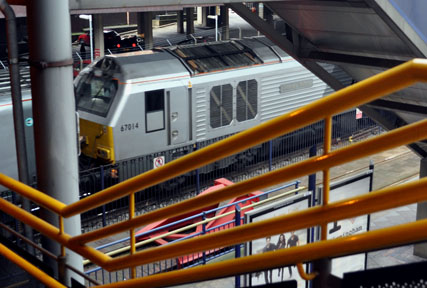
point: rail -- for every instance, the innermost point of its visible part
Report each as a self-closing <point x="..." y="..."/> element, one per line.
<point x="360" y="93"/>
<point x="197" y="216"/>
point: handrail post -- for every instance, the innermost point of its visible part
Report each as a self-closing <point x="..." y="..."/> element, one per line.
<point x="81" y="61"/>
<point x="326" y="172"/>
<point x="62" y="256"/>
<point x="4" y="67"/>
<point x="197" y="174"/>
<point x="104" y="220"/>
<point x="132" y="231"/>
<point x="323" y="267"/>
<point x="237" y="247"/>
<point x="270" y="155"/>
<point x="61" y="269"/>
<point x="203" y="233"/>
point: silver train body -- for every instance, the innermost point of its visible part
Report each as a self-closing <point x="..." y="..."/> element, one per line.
<point x="7" y="143"/>
<point x="156" y="102"/>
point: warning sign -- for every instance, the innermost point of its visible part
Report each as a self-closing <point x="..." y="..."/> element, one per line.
<point x="359" y="113"/>
<point x="158" y="162"/>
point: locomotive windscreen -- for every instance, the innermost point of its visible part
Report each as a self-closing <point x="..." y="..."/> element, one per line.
<point x="95" y="92"/>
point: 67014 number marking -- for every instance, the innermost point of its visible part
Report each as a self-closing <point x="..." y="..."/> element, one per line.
<point x="128" y="127"/>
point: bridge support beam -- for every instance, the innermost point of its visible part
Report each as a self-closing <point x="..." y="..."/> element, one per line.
<point x="180" y="22"/>
<point x="55" y="126"/>
<point x="145" y="27"/>
<point x="189" y="18"/>
<point x="225" y="23"/>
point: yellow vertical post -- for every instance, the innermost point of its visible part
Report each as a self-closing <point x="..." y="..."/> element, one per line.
<point x="132" y="231"/>
<point x="326" y="149"/>
<point x="61" y="258"/>
<point x="61" y="232"/>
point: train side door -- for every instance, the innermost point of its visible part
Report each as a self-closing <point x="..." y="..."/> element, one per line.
<point x="178" y="103"/>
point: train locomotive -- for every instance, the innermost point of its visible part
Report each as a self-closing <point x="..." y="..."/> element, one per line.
<point x="165" y="101"/>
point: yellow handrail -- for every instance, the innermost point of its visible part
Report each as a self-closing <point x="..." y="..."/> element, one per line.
<point x="33" y="194"/>
<point x="142" y="243"/>
<point x="348" y="208"/>
<point x="400" y="235"/>
<point x="401" y="136"/>
<point x="30" y="268"/>
<point x="52" y="232"/>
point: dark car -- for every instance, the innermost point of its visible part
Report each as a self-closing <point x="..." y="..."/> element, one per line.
<point x="112" y="40"/>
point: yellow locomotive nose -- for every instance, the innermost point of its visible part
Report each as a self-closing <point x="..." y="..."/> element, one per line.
<point x="97" y="141"/>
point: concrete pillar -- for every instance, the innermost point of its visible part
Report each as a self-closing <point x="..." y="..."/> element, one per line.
<point x="98" y="35"/>
<point x="49" y="31"/>
<point x="145" y="27"/>
<point x="268" y="15"/>
<point x="421" y="249"/>
<point x="204" y="16"/>
<point x="140" y="23"/>
<point x="189" y="18"/>
<point x="225" y="23"/>
<point x="180" y="21"/>
<point x="199" y="15"/>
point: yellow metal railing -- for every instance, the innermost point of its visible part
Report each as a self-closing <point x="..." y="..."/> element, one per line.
<point x="360" y="93"/>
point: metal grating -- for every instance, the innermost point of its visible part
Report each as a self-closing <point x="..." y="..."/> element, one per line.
<point x="218" y="56"/>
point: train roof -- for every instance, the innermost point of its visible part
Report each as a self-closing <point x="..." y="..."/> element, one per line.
<point x="194" y="59"/>
<point x="143" y="64"/>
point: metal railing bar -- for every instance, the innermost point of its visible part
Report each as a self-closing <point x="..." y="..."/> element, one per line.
<point x="368" y="203"/>
<point x="372" y="240"/>
<point x="29" y="242"/>
<point x="30" y="268"/>
<point x="223" y="207"/>
<point x="327" y="138"/>
<point x="82" y="274"/>
<point x="362" y="92"/>
<point x="52" y="232"/>
<point x="398" y="137"/>
<point x="207" y="220"/>
<point x="32" y="194"/>
<point x="197" y="215"/>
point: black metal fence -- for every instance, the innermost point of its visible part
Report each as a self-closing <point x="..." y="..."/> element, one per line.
<point x="285" y="150"/>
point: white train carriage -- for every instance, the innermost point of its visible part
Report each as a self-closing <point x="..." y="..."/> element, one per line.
<point x="7" y="144"/>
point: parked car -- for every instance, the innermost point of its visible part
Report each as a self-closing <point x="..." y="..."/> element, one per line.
<point x="112" y="40"/>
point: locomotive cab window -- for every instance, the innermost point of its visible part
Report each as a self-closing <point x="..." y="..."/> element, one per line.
<point x="221" y="105"/>
<point x="247" y="100"/>
<point x="95" y="93"/>
<point x="154" y="110"/>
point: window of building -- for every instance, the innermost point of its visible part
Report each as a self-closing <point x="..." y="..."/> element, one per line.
<point x="247" y="100"/>
<point x="221" y="105"/>
<point x="154" y="110"/>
